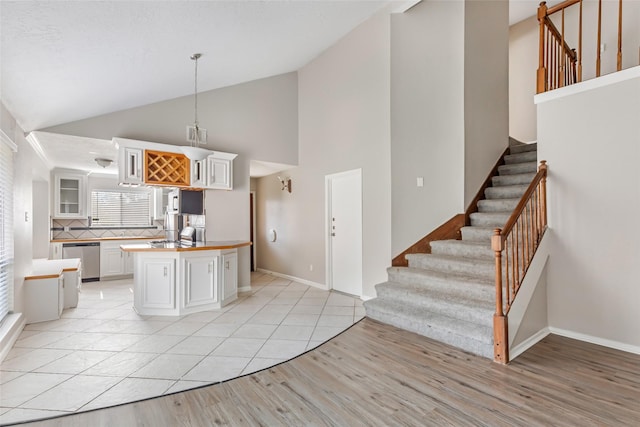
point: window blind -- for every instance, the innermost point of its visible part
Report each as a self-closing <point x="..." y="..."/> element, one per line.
<point x="7" y="147"/>
<point x="116" y="208"/>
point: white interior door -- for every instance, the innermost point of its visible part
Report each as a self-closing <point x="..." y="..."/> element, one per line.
<point x="344" y="223"/>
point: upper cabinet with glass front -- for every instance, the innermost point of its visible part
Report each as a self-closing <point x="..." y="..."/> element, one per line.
<point x="69" y="196"/>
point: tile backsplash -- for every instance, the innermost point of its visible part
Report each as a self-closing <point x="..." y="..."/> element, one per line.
<point x="79" y="229"/>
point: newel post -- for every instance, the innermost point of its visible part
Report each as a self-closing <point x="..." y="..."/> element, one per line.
<point x="543" y="189"/>
<point x="542" y="71"/>
<point x="500" y="331"/>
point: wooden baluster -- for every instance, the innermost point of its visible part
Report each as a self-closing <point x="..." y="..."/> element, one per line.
<point x="508" y="244"/>
<point x="543" y="188"/>
<point x="500" y="331"/>
<point x="619" y="35"/>
<point x="580" y="45"/>
<point x="542" y="73"/>
<point x="514" y="255"/>
<point x="562" y="62"/>
<point x="553" y="64"/>
<point x="526" y="252"/>
<point x="599" y="37"/>
<point x="522" y="247"/>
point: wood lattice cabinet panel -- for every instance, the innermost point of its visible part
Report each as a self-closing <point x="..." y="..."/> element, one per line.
<point x="163" y="168"/>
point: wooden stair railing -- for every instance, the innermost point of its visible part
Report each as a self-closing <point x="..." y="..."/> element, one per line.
<point x="558" y="64"/>
<point x="514" y="246"/>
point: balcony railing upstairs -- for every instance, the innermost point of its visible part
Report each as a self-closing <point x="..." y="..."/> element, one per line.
<point x="514" y="247"/>
<point x="558" y="64"/>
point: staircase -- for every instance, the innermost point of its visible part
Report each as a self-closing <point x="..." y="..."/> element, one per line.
<point x="449" y="295"/>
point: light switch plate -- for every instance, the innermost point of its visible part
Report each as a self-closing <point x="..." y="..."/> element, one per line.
<point x="420" y="181"/>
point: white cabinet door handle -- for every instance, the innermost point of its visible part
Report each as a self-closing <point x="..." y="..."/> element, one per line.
<point x="165" y="272"/>
<point x="210" y="267"/>
<point x="226" y="265"/>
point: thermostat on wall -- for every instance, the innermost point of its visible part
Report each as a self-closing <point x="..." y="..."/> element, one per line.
<point x="272" y="235"/>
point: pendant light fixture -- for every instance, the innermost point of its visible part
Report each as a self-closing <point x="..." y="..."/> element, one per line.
<point x="195" y="135"/>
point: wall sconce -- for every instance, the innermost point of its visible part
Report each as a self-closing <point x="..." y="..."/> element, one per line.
<point x="286" y="184"/>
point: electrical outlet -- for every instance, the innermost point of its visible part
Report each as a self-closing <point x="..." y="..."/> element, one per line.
<point x="310" y="267"/>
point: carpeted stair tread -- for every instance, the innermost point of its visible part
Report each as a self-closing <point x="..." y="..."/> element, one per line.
<point x="527" y="156"/>
<point x="521" y="148"/>
<point x="489" y="219"/>
<point x="449" y="294"/>
<point x="498" y="205"/>
<point x="505" y="192"/>
<point x="477" y="234"/>
<point x="464" y="335"/>
<point x="463" y="307"/>
<point x="463" y="248"/>
<point x="513" y="179"/>
<point x="462" y="284"/>
<point x="453" y="264"/>
<point x="518" y="168"/>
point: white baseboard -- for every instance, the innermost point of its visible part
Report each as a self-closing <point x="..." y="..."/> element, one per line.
<point x="525" y="345"/>
<point x="596" y="340"/>
<point x="10" y="330"/>
<point x="295" y="279"/>
<point x="244" y="288"/>
<point x="366" y="298"/>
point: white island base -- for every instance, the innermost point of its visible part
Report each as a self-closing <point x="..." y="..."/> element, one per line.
<point x="178" y="281"/>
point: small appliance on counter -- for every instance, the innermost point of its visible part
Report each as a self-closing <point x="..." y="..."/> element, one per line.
<point x="188" y="236"/>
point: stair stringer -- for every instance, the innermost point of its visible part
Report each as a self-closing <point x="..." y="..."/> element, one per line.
<point x="528" y="320"/>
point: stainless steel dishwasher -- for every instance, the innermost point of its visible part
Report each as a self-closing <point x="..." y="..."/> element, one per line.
<point x="89" y="253"/>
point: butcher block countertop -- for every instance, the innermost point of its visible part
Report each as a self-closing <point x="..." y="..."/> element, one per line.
<point x="164" y="246"/>
<point x="99" y="239"/>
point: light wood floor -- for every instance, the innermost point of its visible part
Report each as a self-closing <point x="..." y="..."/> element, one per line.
<point x="377" y="375"/>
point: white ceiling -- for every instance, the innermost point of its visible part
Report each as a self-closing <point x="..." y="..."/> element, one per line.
<point x="62" y="61"/>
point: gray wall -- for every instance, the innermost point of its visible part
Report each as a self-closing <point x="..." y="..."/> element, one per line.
<point x="523" y="63"/>
<point x="591" y="141"/>
<point x="449" y="114"/>
<point x="257" y="120"/>
<point x="486" y="90"/>
<point x="427" y="119"/>
<point x="27" y="168"/>
<point x="40" y="220"/>
<point x="344" y="125"/>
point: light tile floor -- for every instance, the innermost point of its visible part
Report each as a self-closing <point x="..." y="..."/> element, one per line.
<point x="102" y="353"/>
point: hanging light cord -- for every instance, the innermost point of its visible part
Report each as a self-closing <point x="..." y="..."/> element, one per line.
<point x="195" y="57"/>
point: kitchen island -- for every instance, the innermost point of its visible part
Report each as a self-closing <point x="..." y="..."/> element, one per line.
<point x="171" y="279"/>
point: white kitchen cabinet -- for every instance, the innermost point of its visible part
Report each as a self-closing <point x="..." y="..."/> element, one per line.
<point x="114" y="261"/>
<point x="200" y="281"/>
<point x="111" y="259"/>
<point x="219" y="172"/>
<point x="199" y="176"/>
<point x="229" y="276"/>
<point x="128" y="262"/>
<point x="130" y="164"/>
<point x="55" y="250"/>
<point x="158" y="290"/>
<point x="69" y="195"/>
<point x="43" y="296"/>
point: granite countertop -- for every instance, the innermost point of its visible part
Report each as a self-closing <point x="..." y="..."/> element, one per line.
<point x="164" y="246"/>
<point x="98" y="239"/>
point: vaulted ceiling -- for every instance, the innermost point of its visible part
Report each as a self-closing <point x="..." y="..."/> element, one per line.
<point x="62" y="61"/>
